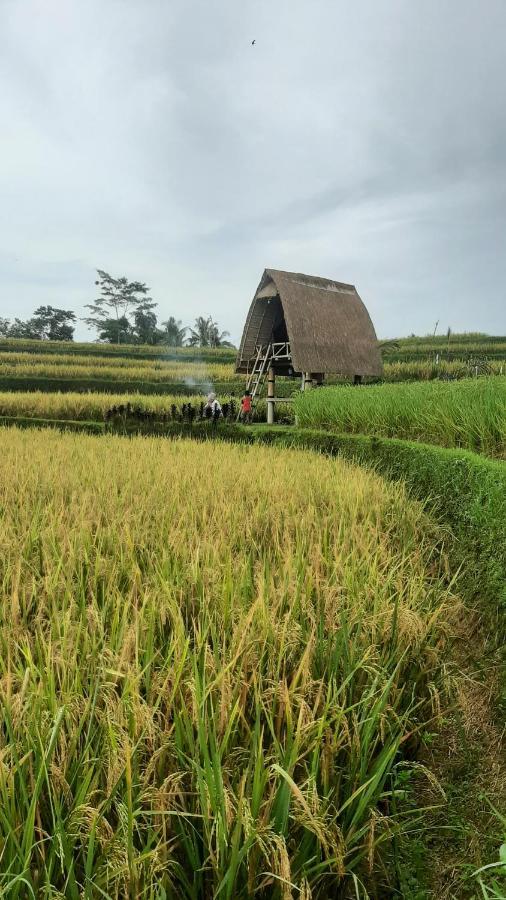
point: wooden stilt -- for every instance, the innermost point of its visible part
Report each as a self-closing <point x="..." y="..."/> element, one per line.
<point x="271" y="381"/>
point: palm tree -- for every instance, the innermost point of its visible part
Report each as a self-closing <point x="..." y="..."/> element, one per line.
<point x="173" y="332"/>
<point x="206" y="333"/>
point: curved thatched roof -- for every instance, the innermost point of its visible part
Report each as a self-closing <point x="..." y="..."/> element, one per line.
<point x="327" y="324"/>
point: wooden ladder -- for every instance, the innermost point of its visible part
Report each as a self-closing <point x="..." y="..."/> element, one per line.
<point x="257" y="377"/>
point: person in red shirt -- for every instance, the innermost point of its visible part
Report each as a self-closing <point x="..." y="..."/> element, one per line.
<point x="246" y="408"/>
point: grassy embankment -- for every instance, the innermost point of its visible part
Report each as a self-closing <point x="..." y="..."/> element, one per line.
<point x="208" y="686"/>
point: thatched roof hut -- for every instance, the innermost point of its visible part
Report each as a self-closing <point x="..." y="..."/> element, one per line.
<point x="325" y="323"/>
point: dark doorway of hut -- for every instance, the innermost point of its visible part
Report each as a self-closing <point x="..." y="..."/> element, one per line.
<point x="306" y="327"/>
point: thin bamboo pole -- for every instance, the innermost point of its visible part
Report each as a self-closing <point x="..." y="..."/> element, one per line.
<point x="271" y="381"/>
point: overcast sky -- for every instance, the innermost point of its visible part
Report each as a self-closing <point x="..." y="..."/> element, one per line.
<point x="361" y="141"/>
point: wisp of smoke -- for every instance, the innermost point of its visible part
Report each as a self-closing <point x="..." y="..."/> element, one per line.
<point x="204" y="387"/>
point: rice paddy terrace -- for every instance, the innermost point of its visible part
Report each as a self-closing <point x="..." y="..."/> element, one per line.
<point x="251" y="671"/>
<point x="204" y="684"/>
<point x="461" y="404"/>
<point x="470" y="413"/>
<point x="64" y="366"/>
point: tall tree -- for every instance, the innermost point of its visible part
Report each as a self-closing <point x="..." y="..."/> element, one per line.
<point x="206" y="333"/>
<point x="173" y="334"/>
<point x="119" y="300"/>
<point x="4" y="327"/>
<point x="219" y="338"/>
<point x="53" y="324"/>
<point x="48" y="323"/>
<point x="20" y="329"/>
<point x="116" y="331"/>
<point x="145" y="330"/>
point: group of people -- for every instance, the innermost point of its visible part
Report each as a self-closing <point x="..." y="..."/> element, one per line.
<point x="213" y="409"/>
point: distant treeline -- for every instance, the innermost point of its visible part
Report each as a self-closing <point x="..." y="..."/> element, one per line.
<point x="122" y="314"/>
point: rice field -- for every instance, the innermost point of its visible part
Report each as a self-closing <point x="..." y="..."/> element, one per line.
<point x="449" y="347"/>
<point x="22" y="365"/>
<point x="208" y="683"/>
<point x="409" y="349"/>
<point x="469" y="414"/>
<point x="193" y="367"/>
<point x="118" y="351"/>
<point x="89" y="406"/>
<point x="453" y="370"/>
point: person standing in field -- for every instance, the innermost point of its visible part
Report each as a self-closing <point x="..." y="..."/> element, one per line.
<point x="212" y="409"/>
<point x="246" y="408"/>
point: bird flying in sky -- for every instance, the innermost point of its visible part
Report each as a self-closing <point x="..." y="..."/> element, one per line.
<point x="253" y="42"/>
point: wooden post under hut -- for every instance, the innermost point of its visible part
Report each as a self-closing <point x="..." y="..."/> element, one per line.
<point x="271" y="383"/>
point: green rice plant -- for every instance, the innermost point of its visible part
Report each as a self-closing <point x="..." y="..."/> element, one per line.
<point x="491" y="878"/>
<point x="211" y="660"/>
<point x="427" y="370"/>
<point x="469" y="414"/>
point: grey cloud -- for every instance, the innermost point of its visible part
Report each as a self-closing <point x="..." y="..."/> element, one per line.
<point x="362" y="141"/>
